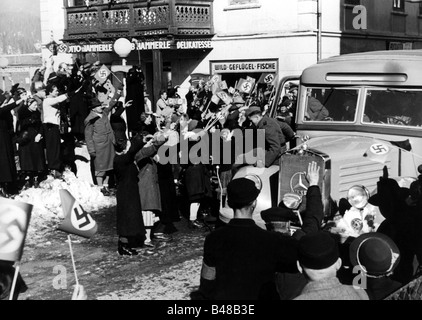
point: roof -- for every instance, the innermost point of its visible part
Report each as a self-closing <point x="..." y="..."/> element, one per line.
<point x="393" y="68"/>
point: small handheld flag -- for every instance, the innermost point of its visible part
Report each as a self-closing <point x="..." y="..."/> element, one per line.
<point x="76" y="220"/>
<point x="227" y="99"/>
<point x="14" y="222"/>
<point x="245" y="86"/>
<point x="102" y="74"/>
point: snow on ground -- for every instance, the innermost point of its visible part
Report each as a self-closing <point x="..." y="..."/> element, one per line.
<point x="176" y="283"/>
<point x="47" y="211"/>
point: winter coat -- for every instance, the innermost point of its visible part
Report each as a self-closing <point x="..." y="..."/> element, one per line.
<point x="31" y="153"/>
<point x="7" y="157"/>
<point x="100" y="140"/>
<point x="149" y="190"/>
<point x="274" y="140"/>
<point x="128" y="208"/>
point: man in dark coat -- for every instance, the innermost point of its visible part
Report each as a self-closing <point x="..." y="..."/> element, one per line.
<point x="241" y="259"/>
<point x="275" y="142"/>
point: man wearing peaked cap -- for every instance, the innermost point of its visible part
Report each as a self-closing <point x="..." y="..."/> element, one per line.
<point x="377" y="256"/>
<point x="275" y="142"/>
<point x="240" y="258"/>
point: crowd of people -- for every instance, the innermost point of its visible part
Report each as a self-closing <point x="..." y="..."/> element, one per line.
<point x="154" y="162"/>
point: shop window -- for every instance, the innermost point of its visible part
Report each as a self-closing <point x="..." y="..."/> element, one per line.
<point x="398" y="5"/>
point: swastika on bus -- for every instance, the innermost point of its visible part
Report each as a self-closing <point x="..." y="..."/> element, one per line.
<point x="379" y="149"/>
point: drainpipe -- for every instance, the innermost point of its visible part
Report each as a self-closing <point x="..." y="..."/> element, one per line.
<point x="319" y="32"/>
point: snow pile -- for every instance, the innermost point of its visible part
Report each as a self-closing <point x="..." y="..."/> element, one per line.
<point x="47" y="211"/>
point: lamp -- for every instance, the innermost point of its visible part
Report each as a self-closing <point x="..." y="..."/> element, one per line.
<point x="3" y="64"/>
<point x="123" y="47"/>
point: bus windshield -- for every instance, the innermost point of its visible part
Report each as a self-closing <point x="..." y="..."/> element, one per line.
<point x="331" y="104"/>
<point x="394" y="107"/>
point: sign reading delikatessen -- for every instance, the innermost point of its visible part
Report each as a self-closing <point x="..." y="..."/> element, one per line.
<point x="137" y="46"/>
<point x="244" y="66"/>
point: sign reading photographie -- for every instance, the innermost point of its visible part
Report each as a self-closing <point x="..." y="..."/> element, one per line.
<point x="269" y="65"/>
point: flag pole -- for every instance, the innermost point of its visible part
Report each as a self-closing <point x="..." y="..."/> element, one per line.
<point x="73" y="260"/>
<point x="15" y="277"/>
<point x="116" y="77"/>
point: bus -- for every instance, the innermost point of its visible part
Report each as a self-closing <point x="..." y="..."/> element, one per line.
<point x="355" y="114"/>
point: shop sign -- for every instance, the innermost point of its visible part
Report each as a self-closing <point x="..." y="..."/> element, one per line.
<point x="137" y="45"/>
<point x="102" y="47"/>
<point x="244" y="66"/>
<point x="194" y="44"/>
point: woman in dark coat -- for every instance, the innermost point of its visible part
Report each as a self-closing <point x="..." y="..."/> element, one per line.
<point x="31" y="148"/>
<point x="130" y="226"/>
<point x="8" y="173"/>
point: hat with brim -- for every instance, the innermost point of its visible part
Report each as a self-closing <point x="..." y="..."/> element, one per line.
<point x="252" y="111"/>
<point x="375" y="253"/>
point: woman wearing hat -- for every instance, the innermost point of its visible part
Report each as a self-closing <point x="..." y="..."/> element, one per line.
<point x="31" y="148"/>
<point x="376" y="256"/>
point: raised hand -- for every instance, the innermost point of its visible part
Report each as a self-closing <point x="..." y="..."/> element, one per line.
<point x="313" y="174"/>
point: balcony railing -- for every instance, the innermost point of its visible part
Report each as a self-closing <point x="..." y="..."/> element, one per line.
<point x="135" y="19"/>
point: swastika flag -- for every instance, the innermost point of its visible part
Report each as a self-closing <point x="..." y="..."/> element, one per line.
<point x="76" y="220"/>
<point x="378" y="152"/>
<point x="14" y="222"/>
<point x="102" y="74"/>
<point x="245" y="85"/>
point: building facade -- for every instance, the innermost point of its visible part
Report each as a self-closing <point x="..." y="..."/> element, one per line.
<point x="174" y="40"/>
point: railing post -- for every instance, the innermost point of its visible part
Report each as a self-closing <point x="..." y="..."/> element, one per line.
<point x="157" y="66"/>
<point x="172" y="13"/>
<point x="100" y="31"/>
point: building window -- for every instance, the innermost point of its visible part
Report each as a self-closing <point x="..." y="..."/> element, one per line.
<point x="398" y="5"/>
<point x="352" y="2"/>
